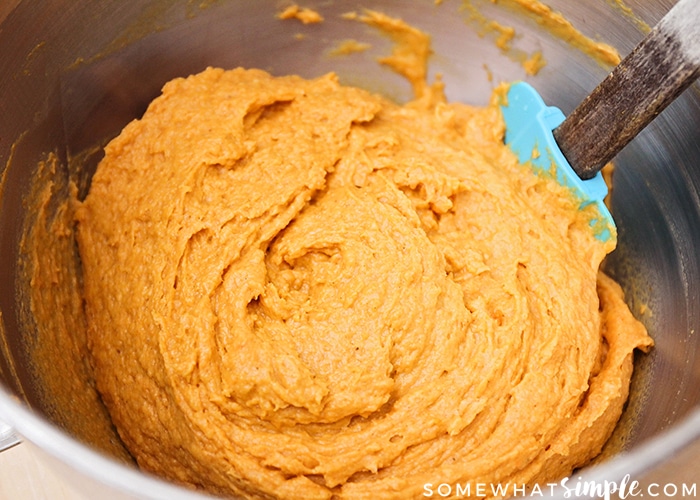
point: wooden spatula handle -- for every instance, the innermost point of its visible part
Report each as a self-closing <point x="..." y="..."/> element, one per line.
<point x="662" y="66"/>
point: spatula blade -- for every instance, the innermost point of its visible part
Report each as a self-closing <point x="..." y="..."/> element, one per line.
<point x="529" y="124"/>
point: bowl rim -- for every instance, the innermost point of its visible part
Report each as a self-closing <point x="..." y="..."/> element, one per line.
<point x="109" y="472"/>
<point x="86" y="461"/>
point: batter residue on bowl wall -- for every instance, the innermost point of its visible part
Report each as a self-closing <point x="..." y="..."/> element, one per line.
<point x="302" y="290"/>
<point x="555" y="23"/>
<point x="305" y="15"/>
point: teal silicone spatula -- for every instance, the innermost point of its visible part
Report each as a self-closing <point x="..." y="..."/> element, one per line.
<point x="574" y="149"/>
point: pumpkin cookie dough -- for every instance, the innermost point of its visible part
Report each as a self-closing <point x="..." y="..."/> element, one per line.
<point x="297" y="289"/>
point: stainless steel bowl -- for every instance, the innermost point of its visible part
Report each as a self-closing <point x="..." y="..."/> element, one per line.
<point x="73" y="73"/>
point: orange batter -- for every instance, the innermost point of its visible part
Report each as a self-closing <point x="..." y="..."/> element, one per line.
<point x="299" y="289"/>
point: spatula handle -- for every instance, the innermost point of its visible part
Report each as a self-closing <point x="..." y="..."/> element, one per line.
<point x="662" y="66"/>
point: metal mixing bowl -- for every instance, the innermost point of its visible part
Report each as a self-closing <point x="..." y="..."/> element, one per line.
<point x="73" y="73"/>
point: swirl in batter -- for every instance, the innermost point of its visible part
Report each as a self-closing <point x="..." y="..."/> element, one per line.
<point x="301" y="290"/>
